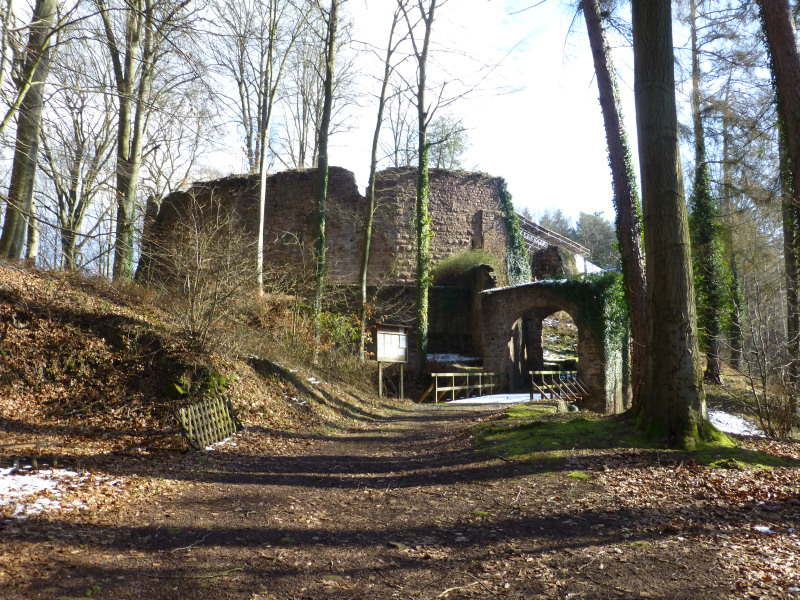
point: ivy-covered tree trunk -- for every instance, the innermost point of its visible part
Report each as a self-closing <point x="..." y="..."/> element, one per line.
<point x="674" y="402"/>
<point x="19" y="211"/>
<point x="704" y="229"/>
<point x="322" y="172"/>
<point x="626" y="199"/>
<point x="423" y="243"/>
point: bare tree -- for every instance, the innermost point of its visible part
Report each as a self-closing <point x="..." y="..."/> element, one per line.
<point x="332" y="19"/>
<point x="78" y="142"/>
<point x="204" y="268"/>
<point x="401" y="147"/>
<point x="273" y="67"/>
<point x="257" y="40"/>
<point x="369" y="215"/>
<point x="139" y="36"/>
<point x="30" y="84"/>
<point x="294" y="141"/>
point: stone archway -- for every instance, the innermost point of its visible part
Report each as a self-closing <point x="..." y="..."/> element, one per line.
<point x="512" y="343"/>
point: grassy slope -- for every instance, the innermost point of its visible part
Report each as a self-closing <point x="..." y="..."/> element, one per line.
<point x="532" y="431"/>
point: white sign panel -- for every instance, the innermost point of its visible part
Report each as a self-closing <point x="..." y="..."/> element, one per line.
<point x="392" y="346"/>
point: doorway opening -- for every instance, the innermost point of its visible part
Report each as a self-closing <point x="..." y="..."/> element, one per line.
<point x="559" y="342"/>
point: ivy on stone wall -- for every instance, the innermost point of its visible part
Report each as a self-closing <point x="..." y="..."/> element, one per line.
<point x="600" y="300"/>
<point x="518" y="266"/>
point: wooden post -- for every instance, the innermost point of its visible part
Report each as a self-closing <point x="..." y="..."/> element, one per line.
<point x="401" y="381"/>
<point x="380" y="380"/>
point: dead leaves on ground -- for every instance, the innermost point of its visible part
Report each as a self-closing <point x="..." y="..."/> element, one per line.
<point x="749" y="518"/>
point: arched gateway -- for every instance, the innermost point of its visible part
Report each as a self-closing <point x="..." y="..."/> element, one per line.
<point x="511" y="336"/>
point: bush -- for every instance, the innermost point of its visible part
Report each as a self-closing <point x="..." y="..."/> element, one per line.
<point x="205" y="267"/>
<point x="456" y="268"/>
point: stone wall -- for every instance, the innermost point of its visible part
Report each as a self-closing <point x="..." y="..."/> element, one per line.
<point x="465" y="210"/>
<point x="512" y="340"/>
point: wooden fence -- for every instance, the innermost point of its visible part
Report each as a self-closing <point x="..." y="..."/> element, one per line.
<point x="208" y="422"/>
<point x="465" y="385"/>
<point x="563" y="385"/>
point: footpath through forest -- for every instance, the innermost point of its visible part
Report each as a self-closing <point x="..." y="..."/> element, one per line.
<point x="408" y="509"/>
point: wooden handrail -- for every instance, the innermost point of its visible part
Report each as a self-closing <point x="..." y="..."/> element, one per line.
<point x="470" y="382"/>
<point x="562" y="385"/>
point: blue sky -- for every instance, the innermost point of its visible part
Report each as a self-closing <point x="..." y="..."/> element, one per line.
<point x="546" y="138"/>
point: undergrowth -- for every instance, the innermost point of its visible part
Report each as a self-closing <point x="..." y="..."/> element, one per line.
<point x="84" y="355"/>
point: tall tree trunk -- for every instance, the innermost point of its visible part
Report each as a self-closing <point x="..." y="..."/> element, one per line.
<point x="626" y="200"/>
<point x="32" y="251"/>
<point x="272" y="78"/>
<point x="127" y="167"/>
<point x="369" y="209"/>
<point x="133" y="75"/>
<point x="674" y="400"/>
<point x="322" y="172"/>
<point x="422" y="221"/>
<point x="779" y="29"/>
<point x="19" y="212"/>
<point x="778" y="24"/>
<point x="266" y="116"/>
<point x="734" y="325"/>
<point x="791" y="238"/>
<point x="704" y="229"/>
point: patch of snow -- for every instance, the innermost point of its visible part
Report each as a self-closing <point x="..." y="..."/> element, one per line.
<point x="25" y="491"/>
<point x="453" y="358"/>
<point x="296" y="401"/>
<point x="495" y="399"/>
<point x="586" y="267"/>
<point x="733" y="424"/>
<point x="508" y="287"/>
<point x="14" y="487"/>
<point x="228" y="441"/>
<point x="313" y="380"/>
<point x="763" y="529"/>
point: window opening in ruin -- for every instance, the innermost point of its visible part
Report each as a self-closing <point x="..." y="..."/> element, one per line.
<point x="559" y="341"/>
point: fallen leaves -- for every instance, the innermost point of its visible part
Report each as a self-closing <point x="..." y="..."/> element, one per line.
<point x="750" y="514"/>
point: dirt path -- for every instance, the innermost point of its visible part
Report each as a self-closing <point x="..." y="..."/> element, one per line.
<point x="402" y="510"/>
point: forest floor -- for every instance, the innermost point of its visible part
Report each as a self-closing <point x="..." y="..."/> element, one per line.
<point x="407" y="508"/>
<point x="331" y="492"/>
